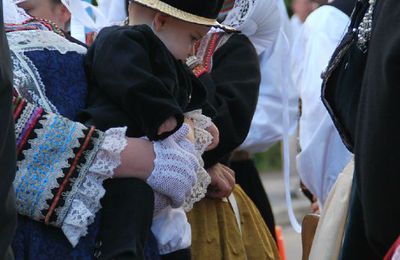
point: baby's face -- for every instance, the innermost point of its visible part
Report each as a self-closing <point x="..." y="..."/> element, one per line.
<point x="180" y="37"/>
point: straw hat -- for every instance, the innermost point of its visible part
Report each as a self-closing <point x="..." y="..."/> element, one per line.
<point x="204" y="12"/>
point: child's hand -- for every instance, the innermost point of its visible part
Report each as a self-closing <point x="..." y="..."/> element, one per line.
<point x="213" y="130"/>
<point x="169" y="125"/>
<point x="190" y="135"/>
<point x="222" y="181"/>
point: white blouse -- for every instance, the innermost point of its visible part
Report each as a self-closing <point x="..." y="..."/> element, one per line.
<point x="323" y="155"/>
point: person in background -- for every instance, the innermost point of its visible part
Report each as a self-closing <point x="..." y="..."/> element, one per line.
<point x="374" y="213"/>
<point x="360" y="91"/>
<point x="237" y="228"/>
<point x="8" y="215"/>
<point x="267" y="125"/>
<point x="301" y="9"/>
<point x="323" y="155"/>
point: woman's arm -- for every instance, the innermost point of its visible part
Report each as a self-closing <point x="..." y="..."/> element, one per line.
<point x="137" y="159"/>
<point x="62" y="164"/>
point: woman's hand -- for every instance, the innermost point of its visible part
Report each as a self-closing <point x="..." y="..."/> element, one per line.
<point x="213" y="130"/>
<point x="222" y="181"/>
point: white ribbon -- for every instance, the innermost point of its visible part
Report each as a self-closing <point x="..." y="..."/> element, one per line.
<point x="286" y="152"/>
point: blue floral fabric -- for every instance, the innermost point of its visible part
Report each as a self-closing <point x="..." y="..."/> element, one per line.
<point x="64" y="77"/>
<point x="34" y="240"/>
<point x="65" y="84"/>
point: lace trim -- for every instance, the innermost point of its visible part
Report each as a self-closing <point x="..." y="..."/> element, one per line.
<point x="86" y="202"/>
<point x="239" y="14"/>
<point x="38" y="40"/>
<point x="209" y="45"/>
<point x="39" y="170"/>
<point x="202" y="140"/>
<point x="28" y="83"/>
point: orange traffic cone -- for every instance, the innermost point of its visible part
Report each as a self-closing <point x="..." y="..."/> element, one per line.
<point x="281" y="246"/>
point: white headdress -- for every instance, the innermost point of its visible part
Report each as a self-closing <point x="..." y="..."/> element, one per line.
<point x="12" y="13"/>
<point x="257" y="19"/>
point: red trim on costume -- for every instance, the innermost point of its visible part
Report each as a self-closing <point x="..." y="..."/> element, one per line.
<point x="19" y="108"/>
<point x="37" y="115"/>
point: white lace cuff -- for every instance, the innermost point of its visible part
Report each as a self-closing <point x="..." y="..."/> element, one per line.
<point x="87" y="200"/>
<point x="202" y="140"/>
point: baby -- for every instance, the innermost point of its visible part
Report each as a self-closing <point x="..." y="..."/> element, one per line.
<point x="139" y="79"/>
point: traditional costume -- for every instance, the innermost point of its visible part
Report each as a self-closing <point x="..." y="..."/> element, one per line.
<point x="156" y="87"/>
<point x="267" y="126"/>
<point x="61" y="163"/>
<point x="360" y="91"/>
<point x="220" y="230"/>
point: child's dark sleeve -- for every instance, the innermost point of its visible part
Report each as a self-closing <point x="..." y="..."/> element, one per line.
<point x="232" y="87"/>
<point x="120" y="68"/>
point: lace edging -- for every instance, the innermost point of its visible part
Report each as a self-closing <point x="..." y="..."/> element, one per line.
<point x="202" y="140"/>
<point x="86" y="203"/>
<point x="38" y="40"/>
<point x="239" y="14"/>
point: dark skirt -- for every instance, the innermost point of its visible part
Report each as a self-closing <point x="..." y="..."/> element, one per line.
<point x="121" y="231"/>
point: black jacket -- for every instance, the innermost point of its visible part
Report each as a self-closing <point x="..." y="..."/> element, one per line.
<point x="7" y="149"/>
<point x="377" y="139"/>
<point x="361" y="91"/>
<point x="136" y="82"/>
<point x="232" y="89"/>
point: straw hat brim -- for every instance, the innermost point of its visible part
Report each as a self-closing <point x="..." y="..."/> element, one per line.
<point x="182" y="15"/>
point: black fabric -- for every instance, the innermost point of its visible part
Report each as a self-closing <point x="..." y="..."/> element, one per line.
<point x="136" y="82"/>
<point x="372" y="125"/>
<point x="183" y="254"/>
<point x="342" y="81"/>
<point x="354" y="245"/>
<point x="8" y="215"/>
<point x="126" y="217"/>
<point x="248" y="178"/>
<point x="208" y="9"/>
<point x="232" y="88"/>
<point x="346" y="6"/>
<point x="377" y="140"/>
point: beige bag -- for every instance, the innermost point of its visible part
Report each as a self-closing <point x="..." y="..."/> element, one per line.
<point x="329" y="235"/>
